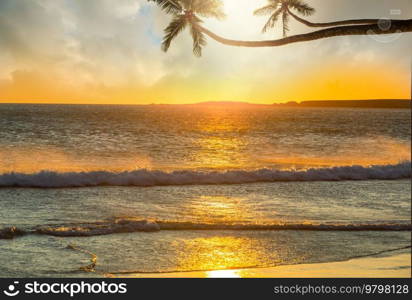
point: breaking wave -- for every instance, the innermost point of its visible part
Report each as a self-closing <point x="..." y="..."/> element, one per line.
<point x="9" y="233"/>
<point x="130" y="225"/>
<point x="143" y="177"/>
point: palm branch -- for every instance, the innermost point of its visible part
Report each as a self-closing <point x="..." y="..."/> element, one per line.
<point x="185" y="12"/>
<point x="301" y="7"/>
<point x="199" y="40"/>
<point x="272" y="21"/>
<point x="169" y="6"/>
<point x="177" y="25"/>
<point x="267" y="9"/>
<point x="285" y="23"/>
<point x="275" y="8"/>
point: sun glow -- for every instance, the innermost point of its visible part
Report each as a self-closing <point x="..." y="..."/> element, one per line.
<point x="134" y="70"/>
<point x="241" y="9"/>
<point x="224" y="274"/>
<point x="238" y="13"/>
<point x="224" y="253"/>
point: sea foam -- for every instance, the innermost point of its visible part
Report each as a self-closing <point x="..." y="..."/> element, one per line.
<point x="144" y="177"/>
<point x="132" y="225"/>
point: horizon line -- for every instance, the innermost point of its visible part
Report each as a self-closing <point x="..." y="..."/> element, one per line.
<point x="207" y="102"/>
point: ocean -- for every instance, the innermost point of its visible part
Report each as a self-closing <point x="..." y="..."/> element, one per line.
<point x="101" y="190"/>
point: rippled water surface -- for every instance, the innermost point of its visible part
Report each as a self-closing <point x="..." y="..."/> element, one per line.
<point x="175" y="188"/>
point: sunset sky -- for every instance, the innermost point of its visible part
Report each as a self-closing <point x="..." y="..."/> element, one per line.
<point x="108" y="51"/>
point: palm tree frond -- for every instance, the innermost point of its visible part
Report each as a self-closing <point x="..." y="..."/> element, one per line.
<point x="281" y="7"/>
<point x="303" y="8"/>
<point x="169" y="6"/>
<point x="199" y="39"/>
<point x="266" y="10"/>
<point x="187" y="4"/>
<point x="209" y="8"/>
<point x="285" y="21"/>
<point x="272" y="21"/>
<point x="177" y="25"/>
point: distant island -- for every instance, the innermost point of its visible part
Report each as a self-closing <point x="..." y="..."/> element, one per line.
<point x="386" y="103"/>
<point x="377" y="103"/>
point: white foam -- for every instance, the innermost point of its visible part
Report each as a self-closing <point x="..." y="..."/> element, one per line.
<point x="130" y="226"/>
<point x="143" y="177"/>
<point x="94" y="229"/>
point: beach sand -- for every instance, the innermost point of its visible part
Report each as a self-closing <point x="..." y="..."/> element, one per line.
<point x="395" y="266"/>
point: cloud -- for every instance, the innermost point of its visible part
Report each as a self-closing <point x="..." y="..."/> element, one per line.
<point x="109" y="51"/>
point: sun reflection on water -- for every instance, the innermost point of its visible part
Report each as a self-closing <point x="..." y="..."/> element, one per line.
<point x="224" y="274"/>
<point x="222" y="143"/>
<point x="221" y="253"/>
<point x="212" y="209"/>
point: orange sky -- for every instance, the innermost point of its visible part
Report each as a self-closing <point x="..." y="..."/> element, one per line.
<point x="52" y="52"/>
<point x="336" y="81"/>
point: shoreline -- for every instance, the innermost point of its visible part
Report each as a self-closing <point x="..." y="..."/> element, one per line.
<point x="390" y="266"/>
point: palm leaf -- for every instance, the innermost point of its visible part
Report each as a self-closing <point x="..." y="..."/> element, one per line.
<point x="208" y="8"/>
<point x="272" y="21"/>
<point x="169" y="6"/>
<point x="186" y="12"/>
<point x="199" y="39"/>
<point x="301" y="7"/>
<point x="177" y="25"/>
<point x="285" y="21"/>
<point x="187" y="4"/>
<point x="266" y="10"/>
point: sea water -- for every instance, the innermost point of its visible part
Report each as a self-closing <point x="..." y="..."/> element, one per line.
<point x="94" y="190"/>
